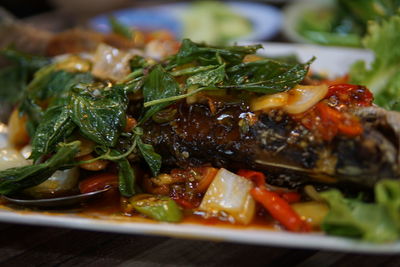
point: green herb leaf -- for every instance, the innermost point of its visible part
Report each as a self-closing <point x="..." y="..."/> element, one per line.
<point x="55" y="126"/>
<point x="158" y="85"/>
<point x="16" y="179"/>
<point x="266" y="76"/>
<point x="150" y="156"/>
<point x="127" y="178"/>
<point x="13" y="79"/>
<point x="206" y="55"/>
<point x="208" y="77"/>
<point x="54" y="86"/>
<point x="100" y="113"/>
<point x="119" y="28"/>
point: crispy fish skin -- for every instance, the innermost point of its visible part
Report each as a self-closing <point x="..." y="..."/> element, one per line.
<point x="234" y="137"/>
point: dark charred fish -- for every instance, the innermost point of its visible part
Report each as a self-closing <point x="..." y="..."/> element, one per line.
<point x="235" y="138"/>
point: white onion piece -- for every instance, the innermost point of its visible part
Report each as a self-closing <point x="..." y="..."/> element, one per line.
<point x="303" y="97"/>
<point x="267" y="102"/>
<point x="229" y="194"/>
<point x="26" y="151"/>
<point x="111" y="63"/>
<point x="11" y="158"/>
<point x="61" y="182"/>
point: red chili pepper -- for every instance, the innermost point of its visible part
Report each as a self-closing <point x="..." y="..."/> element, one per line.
<point x="257" y="177"/>
<point x="279" y="209"/>
<point x="291" y="197"/>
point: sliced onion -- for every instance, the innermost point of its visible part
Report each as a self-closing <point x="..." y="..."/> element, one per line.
<point x="229" y="194"/>
<point x="267" y="102"/>
<point x="303" y="97"/>
<point x="60" y="183"/>
<point x="11" y="158"/>
<point x="111" y="63"/>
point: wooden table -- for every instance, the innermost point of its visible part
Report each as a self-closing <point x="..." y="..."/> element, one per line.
<point x="22" y="245"/>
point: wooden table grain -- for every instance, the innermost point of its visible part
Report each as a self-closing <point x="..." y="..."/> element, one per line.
<point x="23" y="245"/>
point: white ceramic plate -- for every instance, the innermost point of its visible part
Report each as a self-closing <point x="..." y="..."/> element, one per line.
<point x="335" y="61"/>
<point x="266" y="20"/>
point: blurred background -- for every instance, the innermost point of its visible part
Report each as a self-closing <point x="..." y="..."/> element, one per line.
<point x="215" y="22"/>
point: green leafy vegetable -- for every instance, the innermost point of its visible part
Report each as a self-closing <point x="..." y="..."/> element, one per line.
<point x="160" y="208"/>
<point x="266" y="76"/>
<point x="55" y="126"/>
<point x="119" y="28"/>
<point x="387" y="193"/>
<point x="383" y="76"/>
<point x="16" y="179"/>
<point x="126" y="178"/>
<point x="13" y="79"/>
<point x="376" y="222"/>
<point x="158" y="85"/>
<point x="206" y="55"/>
<point x="150" y="156"/>
<point x="100" y="113"/>
<point x="208" y="77"/>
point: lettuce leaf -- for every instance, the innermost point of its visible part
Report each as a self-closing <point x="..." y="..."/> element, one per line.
<point x="378" y="221"/>
<point x="383" y="76"/>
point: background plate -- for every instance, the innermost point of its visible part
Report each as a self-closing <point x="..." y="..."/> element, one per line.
<point x="266" y="20"/>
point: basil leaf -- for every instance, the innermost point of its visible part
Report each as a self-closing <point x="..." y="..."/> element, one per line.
<point x="150" y="156"/>
<point x="158" y="85"/>
<point x="205" y="55"/>
<point x="126" y="177"/>
<point x="100" y="113"/>
<point x="14" y="78"/>
<point x="54" y="86"/>
<point x="208" y="77"/>
<point x="55" y="126"/>
<point x="31" y="62"/>
<point x="266" y="76"/>
<point x="16" y="179"/>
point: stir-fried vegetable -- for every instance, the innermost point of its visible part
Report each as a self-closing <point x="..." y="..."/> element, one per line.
<point x="276" y="206"/>
<point x="383" y="75"/>
<point x="229" y="195"/>
<point x="160" y="208"/>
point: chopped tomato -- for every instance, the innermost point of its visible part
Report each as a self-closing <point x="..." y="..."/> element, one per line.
<point x="349" y="95"/>
<point x="328" y="122"/>
<point x="98" y="182"/>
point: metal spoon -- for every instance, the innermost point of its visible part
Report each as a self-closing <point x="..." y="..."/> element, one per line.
<point x="57" y="202"/>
